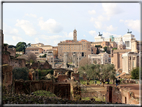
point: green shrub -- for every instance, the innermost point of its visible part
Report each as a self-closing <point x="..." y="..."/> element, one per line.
<point x="135" y="73"/>
<point x="20" y="73"/>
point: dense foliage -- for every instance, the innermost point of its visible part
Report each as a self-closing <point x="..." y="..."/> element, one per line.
<point x="20" y="73"/>
<point x="21" y="46"/>
<point x="135" y="73"/>
<point x="44" y="72"/>
<point x="97" y="71"/>
<point x="44" y="56"/>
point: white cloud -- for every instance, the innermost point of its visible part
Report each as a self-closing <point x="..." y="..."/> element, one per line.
<point x="50" y="38"/>
<point x="26" y="26"/>
<point x="15" y="38"/>
<point x="92" y="12"/>
<point x="132" y="24"/>
<point x="68" y="35"/>
<point x="84" y="35"/>
<point x="107" y="35"/>
<point x="92" y="19"/>
<point x="93" y="33"/>
<point x="31" y="15"/>
<point x="110" y="28"/>
<point x="111" y="8"/>
<point x="98" y="24"/>
<point x="36" y="40"/>
<point x="8" y="30"/>
<point x="50" y="25"/>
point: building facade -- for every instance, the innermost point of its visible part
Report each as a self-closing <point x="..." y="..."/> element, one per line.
<point x="130" y="60"/>
<point x="101" y="58"/>
<point x="34" y="50"/>
<point x="126" y="38"/>
<point x="81" y="48"/>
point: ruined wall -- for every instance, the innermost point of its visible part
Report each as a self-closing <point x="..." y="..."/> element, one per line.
<point x="75" y="75"/>
<point x="12" y="51"/>
<point x="14" y="62"/>
<point x="62" y="78"/>
<point x="6" y="75"/>
<point x="60" y="89"/>
<point x="5" y="58"/>
<point x="120" y="95"/>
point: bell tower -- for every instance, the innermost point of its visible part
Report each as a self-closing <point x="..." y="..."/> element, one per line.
<point x="75" y="35"/>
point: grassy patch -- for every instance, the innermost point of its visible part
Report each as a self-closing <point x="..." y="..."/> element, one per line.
<point x="44" y="93"/>
<point x="96" y="99"/>
<point x="92" y="82"/>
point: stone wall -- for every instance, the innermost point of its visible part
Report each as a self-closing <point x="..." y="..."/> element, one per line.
<point x="12" y="51"/>
<point x="120" y="95"/>
<point x="26" y="87"/>
<point x="75" y="75"/>
<point x="62" y="78"/>
<point x="6" y="75"/>
<point x="14" y="62"/>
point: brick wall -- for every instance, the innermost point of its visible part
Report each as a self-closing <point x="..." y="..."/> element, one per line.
<point x="12" y="51"/>
<point x="62" y="78"/>
<point x="120" y="95"/>
<point x="75" y="75"/>
<point x="6" y="75"/>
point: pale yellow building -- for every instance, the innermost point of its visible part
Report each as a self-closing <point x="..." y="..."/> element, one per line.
<point x="82" y="48"/>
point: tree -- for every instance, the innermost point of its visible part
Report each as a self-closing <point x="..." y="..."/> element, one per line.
<point x="135" y="73"/>
<point x="29" y="44"/>
<point x="21" y="46"/>
<point x="97" y="51"/>
<point x="84" y="61"/>
<point x="31" y="57"/>
<point x="20" y="73"/>
<point x="11" y="46"/>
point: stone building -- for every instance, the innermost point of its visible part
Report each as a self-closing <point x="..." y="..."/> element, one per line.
<point x="101" y="58"/>
<point x="82" y="48"/>
<point x="130" y="61"/>
<point x="110" y="44"/>
<point x="34" y="50"/>
<point x="126" y="38"/>
<point x="136" y="45"/>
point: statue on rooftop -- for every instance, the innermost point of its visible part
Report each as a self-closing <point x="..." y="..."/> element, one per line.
<point x="129" y="31"/>
<point x="100" y="34"/>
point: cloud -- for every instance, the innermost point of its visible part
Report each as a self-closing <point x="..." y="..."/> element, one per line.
<point x="15" y="38"/>
<point x="31" y="15"/>
<point x="50" y="25"/>
<point x="92" y="19"/>
<point x="93" y="33"/>
<point x="98" y="24"/>
<point x="110" y="28"/>
<point x="84" y="35"/>
<point x="8" y="30"/>
<point x="26" y="26"/>
<point x="133" y="24"/>
<point x="36" y="40"/>
<point x="107" y="35"/>
<point x="111" y="8"/>
<point x="68" y="35"/>
<point x="92" y="12"/>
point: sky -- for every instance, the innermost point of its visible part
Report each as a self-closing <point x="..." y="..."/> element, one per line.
<point x="50" y="23"/>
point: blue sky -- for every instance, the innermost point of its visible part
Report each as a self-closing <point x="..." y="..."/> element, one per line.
<point x="50" y="23"/>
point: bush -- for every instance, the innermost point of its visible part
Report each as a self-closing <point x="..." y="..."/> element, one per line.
<point x="20" y="73"/>
<point x="135" y="73"/>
